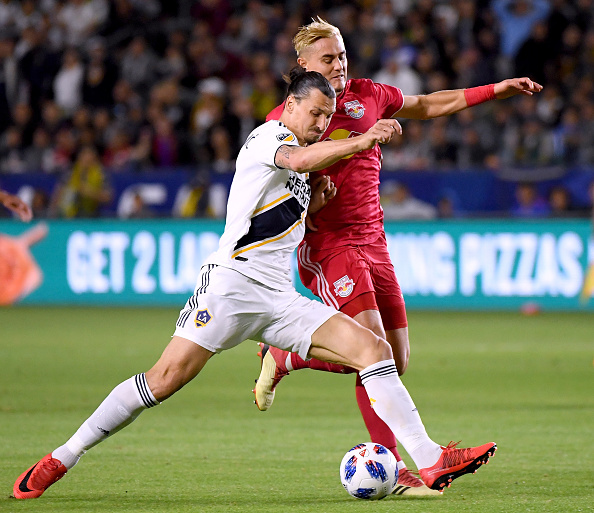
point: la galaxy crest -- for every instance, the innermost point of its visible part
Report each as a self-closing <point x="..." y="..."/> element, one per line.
<point x="354" y="109"/>
<point x="203" y="317"/>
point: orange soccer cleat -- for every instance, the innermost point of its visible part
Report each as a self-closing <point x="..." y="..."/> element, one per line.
<point x="454" y="463"/>
<point x="35" y="480"/>
<point x="271" y="373"/>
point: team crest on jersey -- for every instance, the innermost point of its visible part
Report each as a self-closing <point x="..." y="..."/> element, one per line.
<point x="354" y="109"/>
<point x="203" y="317"/>
<point x="285" y="137"/>
<point x="344" y="286"/>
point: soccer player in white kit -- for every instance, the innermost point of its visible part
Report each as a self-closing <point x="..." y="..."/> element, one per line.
<point x="245" y="291"/>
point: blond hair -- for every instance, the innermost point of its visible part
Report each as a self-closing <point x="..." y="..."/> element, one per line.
<point x="309" y="34"/>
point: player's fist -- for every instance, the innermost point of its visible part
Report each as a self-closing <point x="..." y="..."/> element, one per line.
<point x="382" y="132"/>
<point x="322" y="191"/>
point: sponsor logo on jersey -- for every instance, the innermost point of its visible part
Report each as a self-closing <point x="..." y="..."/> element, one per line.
<point x="341" y="133"/>
<point x="285" y="137"/>
<point x="344" y="286"/>
<point x="203" y="317"/>
<point x="354" y="109"/>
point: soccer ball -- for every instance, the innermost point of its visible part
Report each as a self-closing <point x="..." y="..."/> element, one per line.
<point x="369" y="471"/>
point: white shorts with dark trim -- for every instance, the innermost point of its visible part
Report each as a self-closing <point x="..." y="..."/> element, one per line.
<point x="228" y="308"/>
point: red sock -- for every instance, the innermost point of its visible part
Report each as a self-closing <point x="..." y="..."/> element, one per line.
<point x="299" y="363"/>
<point x="378" y="430"/>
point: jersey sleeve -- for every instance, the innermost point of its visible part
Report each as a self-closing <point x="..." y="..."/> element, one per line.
<point x="265" y="146"/>
<point x="389" y="100"/>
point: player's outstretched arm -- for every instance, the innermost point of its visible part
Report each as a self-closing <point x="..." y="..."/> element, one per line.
<point x="16" y="205"/>
<point x="323" y="154"/>
<point x="444" y="103"/>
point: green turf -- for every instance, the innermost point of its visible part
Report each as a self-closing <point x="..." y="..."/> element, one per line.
<point x="525" y="382"/>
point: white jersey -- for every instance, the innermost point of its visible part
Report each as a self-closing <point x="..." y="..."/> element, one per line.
<point x="265" y="212"/>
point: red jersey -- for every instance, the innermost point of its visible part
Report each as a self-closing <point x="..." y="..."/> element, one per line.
<point x="354" y="215"/>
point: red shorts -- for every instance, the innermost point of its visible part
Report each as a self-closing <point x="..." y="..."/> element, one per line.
<point x="353" y="279"/>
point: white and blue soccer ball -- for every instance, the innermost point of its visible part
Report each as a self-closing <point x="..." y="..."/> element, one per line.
<point x="369" y="471"/>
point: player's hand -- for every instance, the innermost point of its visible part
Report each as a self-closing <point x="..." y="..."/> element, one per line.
<point x="322" y="191"/>
<point x="16" y="205"/>
<point x="513" y="86"/>
<point x="382" y="132"/>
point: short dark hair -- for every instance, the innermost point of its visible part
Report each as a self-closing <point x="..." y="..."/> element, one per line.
<point x="301" y="82"/>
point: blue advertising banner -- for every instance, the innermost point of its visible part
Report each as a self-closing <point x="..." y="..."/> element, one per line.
<point x="446" y="264"/>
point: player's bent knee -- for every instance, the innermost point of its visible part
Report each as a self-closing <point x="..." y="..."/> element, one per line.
<point x="376" y="350"/>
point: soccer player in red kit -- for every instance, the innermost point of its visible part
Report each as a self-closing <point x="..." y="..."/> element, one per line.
<point x="344" y="258"/>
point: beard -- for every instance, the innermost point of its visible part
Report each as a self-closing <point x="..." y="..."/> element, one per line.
<point x="313" y="138"/>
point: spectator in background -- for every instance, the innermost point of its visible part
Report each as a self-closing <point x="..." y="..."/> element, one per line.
<point x="221" y="151"/>
<point x="528" y="203"/>
<point x="443" y="150"/>
<point x="164" y="144"/>
<point x="12" y="153"/>
<point x="68" y="84"/>
<point x="84" y="190"/>
<point x="534" y="55"/>
<point x="215" y="12"/>
<point x="9" y="80"/>
<point x="40" y="204"/>
<point x="399" y="204"/>
<point x="22" y="117"/>
<point x="79" y="19"/>
<point x="193" y="199"/>
<point x="517" y="17"/>
<point x="206" y="112"/>
<point x="550" y="105"/>
<point x="560" y="202"/>
<point x="27" y="16"/>
<point x="125" y="100"/>
<point x="51" y="117"/>
<point x="568" y="137"/>
<point x="39" y="156"/>
<point x="534" y="146"/>
<point x="8" y="10"/>
<point x="138" y="64"/>
<point x="64" y="150"/>
<point x="239" y="122"/>
<point x="397" y="72"/>
<point x="101" y="75"/>
<point x="38" y="64"/>
<point x="118" y="154"/>
<point x="416" y="151"/>
<point x="172" y="64"/>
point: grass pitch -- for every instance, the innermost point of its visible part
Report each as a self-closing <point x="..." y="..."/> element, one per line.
<point x="525" y="382"/>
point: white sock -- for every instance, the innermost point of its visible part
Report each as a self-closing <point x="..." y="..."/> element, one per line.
<point x="120" y="408"/>
<point x="393" y="404"/>
<point x="289" y="363"/>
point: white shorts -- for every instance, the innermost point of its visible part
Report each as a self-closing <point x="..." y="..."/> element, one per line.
<point x="228" y="308"/>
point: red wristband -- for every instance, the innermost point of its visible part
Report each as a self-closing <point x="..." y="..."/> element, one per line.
<point x="480" y="94"/>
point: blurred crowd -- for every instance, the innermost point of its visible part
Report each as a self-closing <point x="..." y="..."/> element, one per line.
<point x="94" y="87"/>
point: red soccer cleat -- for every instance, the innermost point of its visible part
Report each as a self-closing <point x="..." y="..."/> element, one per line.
<point x="454" y="463"/>
<point x="35" y="480"/>
<point x="272" y="371"/>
